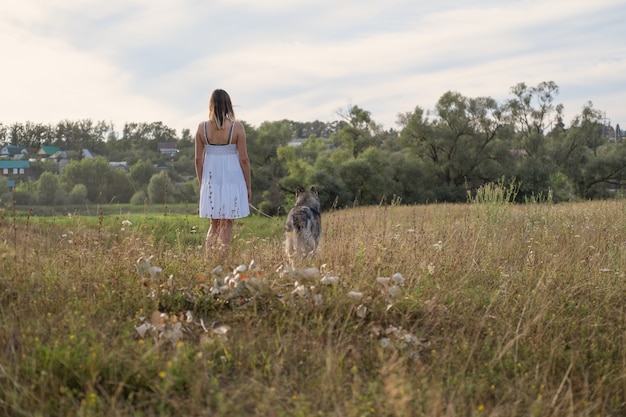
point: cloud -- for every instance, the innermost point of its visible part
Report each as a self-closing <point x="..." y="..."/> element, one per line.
<point x="47" y="80"/>
<point x="134" y="60"/>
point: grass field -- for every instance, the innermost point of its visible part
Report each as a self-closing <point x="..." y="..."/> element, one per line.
<point x="478" y="309"/>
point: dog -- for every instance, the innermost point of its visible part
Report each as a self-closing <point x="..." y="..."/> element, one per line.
<point x="303" y="227"/>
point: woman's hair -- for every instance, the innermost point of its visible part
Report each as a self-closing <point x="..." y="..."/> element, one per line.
<point x="220" y="108"/>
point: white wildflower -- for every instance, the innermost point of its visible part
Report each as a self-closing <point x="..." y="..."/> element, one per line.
<point x="300" y="290"/>
<point x="174" y="334"/>
<point x="221" y="330"/>
<point x="154" y="271"/>
<point x="329" y="280"/>
<point x="142" y="329"/>
<point x="308" y="274"/>
<point x="355" y="294"/>
<point x="385" y="343"/>
<point x="317" y="299"/>
<point x="383" y="280"/>
<point x="394" y="291"/>
<point x="361" y="311"/>
<point x="397" y="278"/>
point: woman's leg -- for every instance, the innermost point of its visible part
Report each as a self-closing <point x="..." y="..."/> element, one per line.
<point x="226" y="231"/>
<point x="212" y="236"/>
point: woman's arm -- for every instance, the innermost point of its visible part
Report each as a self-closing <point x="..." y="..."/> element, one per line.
<point x="244" y="161"/>
<point x="199" y="153"/>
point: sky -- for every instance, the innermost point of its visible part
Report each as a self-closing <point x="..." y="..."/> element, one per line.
<point x="303" y="60"/>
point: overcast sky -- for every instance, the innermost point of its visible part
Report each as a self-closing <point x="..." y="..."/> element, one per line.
<point x="303" y="60"/>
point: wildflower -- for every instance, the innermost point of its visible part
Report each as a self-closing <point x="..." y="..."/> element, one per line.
<point x="142" y="329"/>
<point x="173" y="334"/>
<point x="394" y="291"/>
<point x="155" y="271"/>
<point x="307" y="275"/>
<point x="355" y="294"/>
<point x="329" y="280"/>
<point x="300" y="290"/>
<point x="253" y="265"/>
<point x="397" y="278"/>
<point x="317" y="299"/>
<point x="127" y="223"/>
<point x="383" y="280"/>
<point x="385" y="343"/>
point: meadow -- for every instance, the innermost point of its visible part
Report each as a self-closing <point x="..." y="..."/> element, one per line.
<point x="479" y="309"/>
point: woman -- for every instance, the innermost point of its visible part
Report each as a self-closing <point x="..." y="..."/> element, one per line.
<point x="223" y="170"/>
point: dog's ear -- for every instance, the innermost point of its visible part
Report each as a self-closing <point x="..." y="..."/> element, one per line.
<point x="314" y="191"/>
<point x="299" y="190"/>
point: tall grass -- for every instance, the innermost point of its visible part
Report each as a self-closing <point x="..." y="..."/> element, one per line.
<point x="505" y="310"/>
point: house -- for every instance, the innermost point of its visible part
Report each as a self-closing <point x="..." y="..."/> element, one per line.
<point x="47" y="151"/>
<point x="167" y="148"/>
<point x="63" y="157"/>
<point x="14" y="167"/>
<point x="13" y="152"/>
<point x="123" y="165"/>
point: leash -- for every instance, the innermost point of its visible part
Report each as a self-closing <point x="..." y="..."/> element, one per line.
<point x="260" y="212"/>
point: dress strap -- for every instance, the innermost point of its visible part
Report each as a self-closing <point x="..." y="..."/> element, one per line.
<point x="206" y="138"/>
<point x="232" y="127"/>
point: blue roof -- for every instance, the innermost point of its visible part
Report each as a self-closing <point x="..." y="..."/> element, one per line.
<point x="49" y="150"/>
<point x="13" y="149"/>
<point x="14" y="163"/>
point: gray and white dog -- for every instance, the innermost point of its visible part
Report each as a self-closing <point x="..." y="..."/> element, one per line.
<point x="303" y="228"/>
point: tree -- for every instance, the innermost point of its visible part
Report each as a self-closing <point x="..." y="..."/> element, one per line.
<point x="267" y="169"/>
<point x="594" y="163"/>
<point x="140" y="173"/>
<point x="78" y="195"/>
<point x="161" y="189"/>
<point x="466" y="144"/>
<point x="4" y="135"/>
<point x="357" y="175"/>
<point x="145" y="136"/>
<point x="533" y="112"/>
<point x="358" y="133"/>
<point x="298" y="169"/>
<point x="120" y="189"/>
<point x="104" y="184"/>
<point x="47" y="187"/>
<point x="5" y="194"/>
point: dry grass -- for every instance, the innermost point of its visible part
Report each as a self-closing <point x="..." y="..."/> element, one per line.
<point x="504" y="311"/>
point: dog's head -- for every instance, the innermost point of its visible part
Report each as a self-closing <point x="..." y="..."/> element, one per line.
<point x="307" y="198"/>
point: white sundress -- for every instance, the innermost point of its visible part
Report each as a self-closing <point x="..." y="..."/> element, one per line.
<point x="223" y="191"/>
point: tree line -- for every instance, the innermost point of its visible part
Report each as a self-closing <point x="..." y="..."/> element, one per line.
<point x="437" y="155"/>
